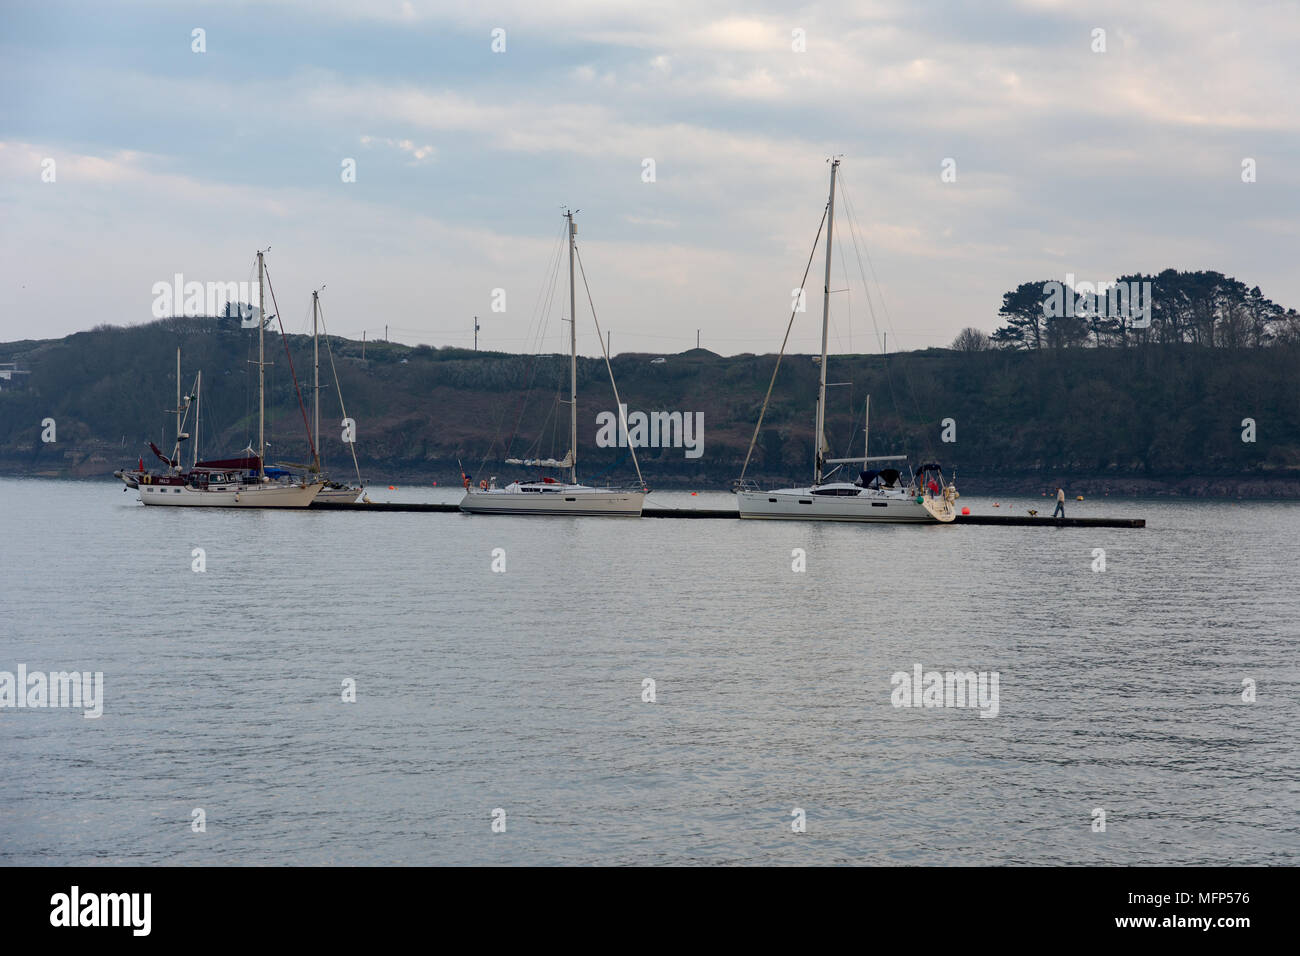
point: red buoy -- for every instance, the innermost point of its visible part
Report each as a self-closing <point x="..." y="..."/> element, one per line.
<point x="965" y="511"/>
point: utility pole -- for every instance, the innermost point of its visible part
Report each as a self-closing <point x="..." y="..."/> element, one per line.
<point x="697" y="338"/>
<point x="476" y="328"/>
<point x="363" y="345"/>
<point x="608" y="334"/>
<point x="385" y="332"/>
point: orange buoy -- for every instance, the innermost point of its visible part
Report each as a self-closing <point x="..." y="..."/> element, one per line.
<point x="965" y="511"/>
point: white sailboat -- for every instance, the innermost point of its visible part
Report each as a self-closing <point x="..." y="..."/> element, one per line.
<point x="333" y="491"/>
<point x="238" y="482"/>
<point x="551" y="496"/>
<point x="878" y="495"/>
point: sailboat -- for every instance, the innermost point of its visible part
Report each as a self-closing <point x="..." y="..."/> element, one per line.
<point x="233" y="482"/>
<point x="333" y="490"/>
<point x="552" y="496"/>
<point x="879" y="495"/>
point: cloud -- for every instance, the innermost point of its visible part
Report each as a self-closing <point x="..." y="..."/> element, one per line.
<point x="418" y="154"/>
<point x="1066" y="159"/>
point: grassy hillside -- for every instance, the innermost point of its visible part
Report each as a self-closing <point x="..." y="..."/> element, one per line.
<point x="1146" y="419"/>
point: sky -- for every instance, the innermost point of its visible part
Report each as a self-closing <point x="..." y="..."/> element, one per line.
<point x="1068" y="160"/>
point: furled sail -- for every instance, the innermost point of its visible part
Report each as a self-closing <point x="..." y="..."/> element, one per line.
<point x="567" y="462"/>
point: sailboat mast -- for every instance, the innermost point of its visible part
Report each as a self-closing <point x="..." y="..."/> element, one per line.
<point x="819" y="435"/>
<point x="261" y="368"/>
<point x="177" y="453"/>
<point x="198" y="406"/>
<point x="315" y="351"/>
<point x="866" y="432"/>
<point x="573" y="360"/>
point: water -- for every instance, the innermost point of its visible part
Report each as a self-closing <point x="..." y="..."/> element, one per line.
<point x="1119" y="690"/>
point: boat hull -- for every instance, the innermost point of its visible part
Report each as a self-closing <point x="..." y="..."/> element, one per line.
<point x="247" y="496"/>
<point x="801" y="505"/>
<point x="589" y="503"/>
<point x="347" y="495"/>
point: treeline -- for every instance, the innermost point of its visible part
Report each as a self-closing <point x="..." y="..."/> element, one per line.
<point x="1200" y="308"/>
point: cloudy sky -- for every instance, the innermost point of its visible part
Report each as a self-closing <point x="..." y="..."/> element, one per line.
<point x="1067" y="160"/>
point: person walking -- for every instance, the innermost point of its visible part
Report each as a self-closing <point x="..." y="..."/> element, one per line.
<point x="1060" y="504"/>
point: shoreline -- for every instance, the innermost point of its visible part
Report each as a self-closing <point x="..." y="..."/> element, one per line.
<point x="1198" y="488"/>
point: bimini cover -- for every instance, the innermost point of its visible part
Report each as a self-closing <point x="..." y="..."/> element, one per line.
<point x="932" y="466"/>
<point x="889" y="476"/>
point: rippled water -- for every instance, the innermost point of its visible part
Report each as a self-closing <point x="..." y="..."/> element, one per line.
<point x="1119" y="690"/>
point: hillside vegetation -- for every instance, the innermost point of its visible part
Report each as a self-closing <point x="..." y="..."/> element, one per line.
<point x="1151" y="417"/>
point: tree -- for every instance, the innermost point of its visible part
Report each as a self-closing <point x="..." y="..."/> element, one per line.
<point x="970" y="339"/>
<point x="1065" y="331"/>
<point x="1140" y="307"/>
<point x="1092" y="309"/>
<point x="1288" y="328"/>
<point x="1009" y="337"/>
<point x="1023" y="308"/>
<point x="1263" y="317"/>
<point x="1042" y="314"/>
<point x="1204" y="308"/>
